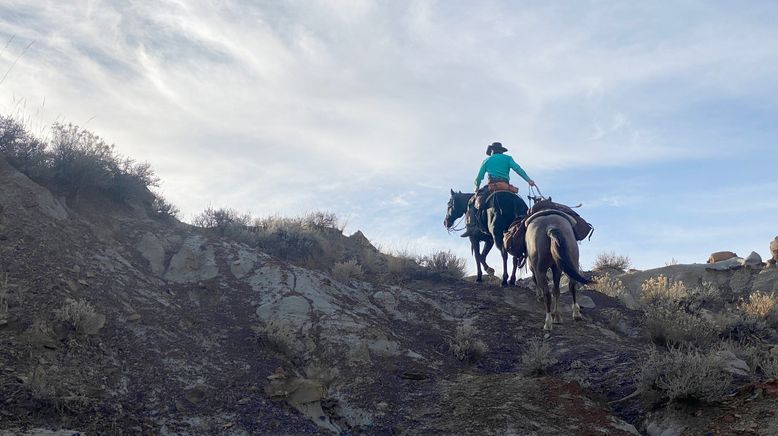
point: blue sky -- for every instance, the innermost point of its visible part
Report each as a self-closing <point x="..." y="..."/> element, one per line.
<point x="660" y="117"/>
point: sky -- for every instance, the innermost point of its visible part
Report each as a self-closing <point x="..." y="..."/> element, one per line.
<point x="659" y="117"/>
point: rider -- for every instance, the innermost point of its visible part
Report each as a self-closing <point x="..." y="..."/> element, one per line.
<point x="498" y="166"/>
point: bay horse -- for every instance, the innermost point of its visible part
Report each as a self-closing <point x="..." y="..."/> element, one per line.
<point x="551" y="244"/>
<point x="502" y="209"/>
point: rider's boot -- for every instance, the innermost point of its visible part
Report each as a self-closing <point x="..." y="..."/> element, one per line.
<point x="471" y="227"/>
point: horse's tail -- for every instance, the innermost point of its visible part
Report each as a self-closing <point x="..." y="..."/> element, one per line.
<point x="561" y="255"/>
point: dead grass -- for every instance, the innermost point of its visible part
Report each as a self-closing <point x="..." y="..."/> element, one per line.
<point x="536" y="358"/>
<point x="662" y="288"/>
<point x="466" y="347"/>
<point x="80" y="316"/>
<point x="682" y="374"/>
<point x="759" y="305"/>
<point x="344" y="272"/>
<point x="610" y="286"/>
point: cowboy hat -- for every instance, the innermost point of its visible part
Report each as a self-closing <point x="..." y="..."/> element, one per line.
<point x="496" y="147"/>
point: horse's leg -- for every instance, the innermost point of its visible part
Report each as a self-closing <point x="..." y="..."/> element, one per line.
<point x="475" y="247"/>
<point x="557" y="276"/>
<point x="512" y="281"/>
<point x="542" y="283"/>
<point x="504" y="255"/>
<point x="576" y="308"/>
<point x="488" y="244"/>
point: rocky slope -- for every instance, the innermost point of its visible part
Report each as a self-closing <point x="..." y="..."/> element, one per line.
<point x="196" y="334"/>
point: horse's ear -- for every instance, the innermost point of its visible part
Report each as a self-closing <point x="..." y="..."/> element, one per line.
<point x="452" y="192"/>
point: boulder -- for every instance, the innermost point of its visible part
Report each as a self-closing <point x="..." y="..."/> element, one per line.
<point x="774" y="250"/>
<point x="731" y="363"/>
<point x="721" y="255"/>
<point x="151" y="248"/>
<point x="194" y="262"/>
<point x="754" y="260"/>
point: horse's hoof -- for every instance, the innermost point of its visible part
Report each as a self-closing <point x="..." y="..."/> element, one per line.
<point x="490" y="271"/>
<point x="479" y="280"/>
<point x="547" y="327"/>
<point x="512" y="282"/>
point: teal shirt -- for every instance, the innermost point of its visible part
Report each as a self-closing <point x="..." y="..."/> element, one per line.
<point x="499" y="165"/>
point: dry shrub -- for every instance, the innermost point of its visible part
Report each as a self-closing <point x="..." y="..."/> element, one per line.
<point x="683" y="373"/>
<point x="444" y="264"/>
<point x="666" y="323"/>
<point x="162" y="208"/>
<point x="345" y="271"/>
<point x="466" y="347"/>
<point x="75" y="161"/>
<point x="610" y="286"/>
<point x="769" y="365"/>
<point x="759" y="305"/>
<point x="662" y="288"/>
<point x="536" y="358"/>
<point x="80" y="317"/>
<point x="611" y="261"/>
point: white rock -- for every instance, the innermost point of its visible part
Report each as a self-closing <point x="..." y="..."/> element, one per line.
<point x="151" y="248"/>
<point x="195" y="261"/>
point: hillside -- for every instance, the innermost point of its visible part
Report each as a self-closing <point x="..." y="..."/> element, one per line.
<point x="119" y="321"/>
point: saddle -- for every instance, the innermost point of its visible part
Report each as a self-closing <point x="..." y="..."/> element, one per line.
<point x="513" y="239"/>
<point x="483" y="196"/>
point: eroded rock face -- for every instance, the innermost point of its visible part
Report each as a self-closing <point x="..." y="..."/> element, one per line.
<point x="774" y="250"/>
<point x="151" y="248"/>
<point x="194" y="261"/>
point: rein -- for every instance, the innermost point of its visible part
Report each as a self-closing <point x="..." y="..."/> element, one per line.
<point x="454" y="228"/>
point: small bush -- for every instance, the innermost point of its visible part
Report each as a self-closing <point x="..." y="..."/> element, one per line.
<point x="745" y="329"/>
<point x="611" y="261"/>
<point x="345" y="271"/>
<point x="759" y="305"/>
<point x="444" y="264"/>
<point x="536" y="358"/>
<point x="162" y="208"/>
<point x="221" y="219"/>
<point x="683" y="373"/>
<point x="22" y="150"/>
<point x="666" y="323"/>
<point x="466" y="347"/>
<point x="769" y="365"/>
<point x="662" y="288"/>
<point x="80" y="317"/>
<point x="610" y="286"/>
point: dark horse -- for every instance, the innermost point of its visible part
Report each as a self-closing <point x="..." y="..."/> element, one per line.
<point x="497" y="215"/>
<point x="457" y="206"/>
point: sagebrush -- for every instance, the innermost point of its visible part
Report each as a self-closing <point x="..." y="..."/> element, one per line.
<point x="74" y="161"/>
<point x="466" y="346"/>
<point x="80" y="316"/>
<point x="536" y="358"/>
<point x="683" y="373"/>
<point x="346" y="271"/>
